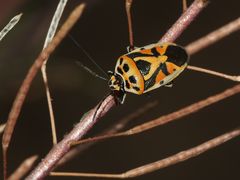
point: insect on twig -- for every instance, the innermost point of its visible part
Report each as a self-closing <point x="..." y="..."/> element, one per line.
<point x="121" y="87"/>
<point x="125" y="84"/>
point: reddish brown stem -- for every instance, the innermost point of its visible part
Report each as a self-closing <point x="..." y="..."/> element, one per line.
<point x="23" y="169"/>
<point x="183" y="22"/>
<point x="48" y="163"/>
<point x="22" y="93"/>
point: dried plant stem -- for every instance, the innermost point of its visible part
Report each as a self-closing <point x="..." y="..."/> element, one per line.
<point x="51" y="32"/>
<point x="113" y="129"/>
<point x="171" y="160"/>
<point x="10" y="25"/>
<point x="128" y="5"/>
<point x="21" y="95"/>
<point x="48" y="163"/>
<point x="215" y="73"/>
<point x="169" y="117"/>
<point x="182" y="23"/>
<point x="23" y="169"/>
<point x="213" y="37"/>
<point x="184" y="5"/>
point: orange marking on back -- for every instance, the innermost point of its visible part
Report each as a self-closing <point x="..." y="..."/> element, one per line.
<point x="160" y="77"/>
<point x="171" y="67"/>
<point x="133" y="71"/>
<point x="161" y="49"/>
<point x="146" y="51"/>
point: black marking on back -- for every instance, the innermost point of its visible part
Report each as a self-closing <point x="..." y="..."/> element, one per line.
<point x="120" y="70"/>
<point x="121" y="60"/>
<point x="155" y="52"/>
<point x="132" y="79"/>
<point x="136" y="88"/>
<point x="152" y="80"/>
<point x="127" y="84"/>
<point x="143" y="66"/>
<point x="138" y="54"/>
<point x="125" y="67"/>
<point x="164" y="69"/>
<point x="176" y="55"/>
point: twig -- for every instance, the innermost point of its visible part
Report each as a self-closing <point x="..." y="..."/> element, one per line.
<point x="213" y="37"/>
<point x="184" y="5"/>
<point x="128" y="5"/>
<point x="48" y="163"/>
<point x="215" y="73"/>
<point x="10" y="25"/>
<point x="23" y="169"/>
<point x="182" y="23"/>
<point x="169" y="117"/>
<point x="21" y="95"/>
<point x="113" y="129"/>
<point x="171" y="160"/>
<point x="49" y="37"/>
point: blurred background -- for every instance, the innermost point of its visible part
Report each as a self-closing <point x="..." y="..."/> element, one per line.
<point x="102" y="32"/>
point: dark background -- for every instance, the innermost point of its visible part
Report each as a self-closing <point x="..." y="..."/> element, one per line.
<point x="102" y="31"/>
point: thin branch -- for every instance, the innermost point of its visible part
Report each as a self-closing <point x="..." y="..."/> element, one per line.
<point x="113" y="129"/>
<point x="169" y="117"/>
<point x="24" y="168"/>
<point x="213" y="37"/>
<point x="184" y="5"/>
<point x="215" y="73"/>
<point x="51" y="32"/>
<point x="21" y="95"/>
<point x="128" y="5"/>
<point x="10" y="25"/>
<point x="86" y="123"/>
<point x="171" y="160"/>
<point x="184" y="21"/>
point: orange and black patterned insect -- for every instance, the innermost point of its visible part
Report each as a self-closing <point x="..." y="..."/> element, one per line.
<point x="147" y="68"/>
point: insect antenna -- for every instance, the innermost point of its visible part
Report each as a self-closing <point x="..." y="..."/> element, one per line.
<point x="90" y="58"/>
<point x="90" y="71"/>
